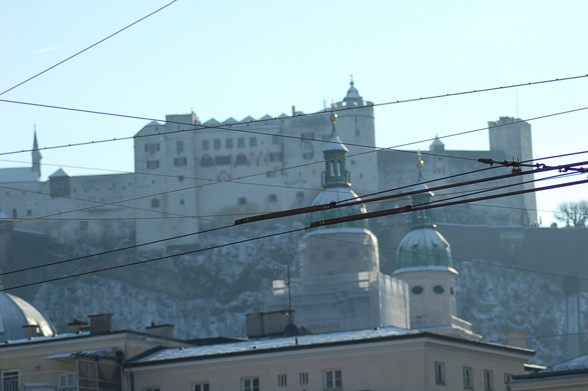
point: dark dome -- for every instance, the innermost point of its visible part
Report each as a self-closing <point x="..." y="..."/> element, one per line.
<point x="15" y="313"/>
<point x="423" y="247"/>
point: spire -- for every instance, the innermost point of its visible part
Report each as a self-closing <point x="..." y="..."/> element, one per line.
<point x="353" y="98"/>
<point x="437" y="145"/>
<point x="36" y="154"/>
<point x="335" y="174"/>
<point x="421" y="218"/>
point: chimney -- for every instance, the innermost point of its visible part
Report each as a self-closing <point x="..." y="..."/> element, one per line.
<point x="517" y="339"/>
<point x="77" y="325"/>
<point x="31" y="330"/>
<point x="161" y="330"/>
<point x="263" y="324"/>
<point x="100" y="323"/>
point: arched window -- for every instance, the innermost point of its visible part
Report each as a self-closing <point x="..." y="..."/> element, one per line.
<point x="155" y="203"/>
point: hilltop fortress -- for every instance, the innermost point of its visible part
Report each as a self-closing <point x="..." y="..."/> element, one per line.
<point x="175" y="187"/>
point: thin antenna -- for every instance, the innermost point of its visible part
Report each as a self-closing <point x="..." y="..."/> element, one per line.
<point x="517" y="96"/>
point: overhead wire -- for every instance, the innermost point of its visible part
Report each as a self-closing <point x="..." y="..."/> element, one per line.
<point x="367" y="215"/>
<point x="231" y="128"/>
<point x="88" y="48"/>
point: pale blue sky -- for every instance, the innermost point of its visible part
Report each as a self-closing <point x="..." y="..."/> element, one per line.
<point x="232" y="59"/>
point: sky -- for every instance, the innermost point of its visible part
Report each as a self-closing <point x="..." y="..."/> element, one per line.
<point x="233" y="59"/>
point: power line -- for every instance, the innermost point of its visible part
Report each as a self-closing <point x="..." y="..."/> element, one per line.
<point x="315" y="224"/>
<point x="223" y="126"/>
<point x="88" y="48"/>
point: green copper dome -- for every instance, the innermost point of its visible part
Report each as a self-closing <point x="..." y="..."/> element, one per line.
<point x="337" y="194"/>
<point x="423" y="247"/>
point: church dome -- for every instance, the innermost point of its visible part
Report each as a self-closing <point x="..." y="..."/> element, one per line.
<point x="337" y="194"/>
<point x="422" y="248"/>
<point x="15" y="313"/>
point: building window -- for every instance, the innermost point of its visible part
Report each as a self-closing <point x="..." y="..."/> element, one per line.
<point x="300" y="196"/>
<point x="275" y="140"/>
<point x="10" y="380"/>
<point x="182" y="202"/>
<point x="282" y="380"/>
<point x="357" y="132"/>
<point x="241" y="142"/>
<point x="205" y="145"/>
<point x="217" y="143"/>
<point x="507" y="379"/>
<point x="229" y="143"/>
<point x="29" y="212"/>
<point x="467" y="378"/>
<point x="181" y="178"/>
<point x="251" y="384"/>
<point x="438" y="289"/>
<point x="14" y="213"/>
<point x="155" y="203"/>
<point x="488" y="381"/>
<point x="253" y="141"/>
<point x="201" y="387"/>
<point x="307" y="155"/>
<point x="417" y="290"/>
<point x="307" y="137"/>
<point x="275" y="157"/>
<point x="152" y="164"/>
<point x="333" y="380"/>
<point x="180" y="161"/>
<point x="439" y="373"/>
<point x="270" y="174"/>
<point x="179" y="146"/>
<point x="303" y="378"/>
<point x="207" y="161"/>
<point x="223" y="160"/>
<point x="272" y="198"/>
<point x="241" y="159"/>
<point x="242" y="201"/>
<point x="152" y="148"/>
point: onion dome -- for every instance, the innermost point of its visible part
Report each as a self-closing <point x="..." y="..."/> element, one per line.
<point x="16" y="313"/>
<point x="353" y="98"/>
<point x="423" y="246"/>
<point x="336" y="184"/>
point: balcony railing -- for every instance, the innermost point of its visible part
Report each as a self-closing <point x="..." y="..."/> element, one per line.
<point x="47" y="381"/>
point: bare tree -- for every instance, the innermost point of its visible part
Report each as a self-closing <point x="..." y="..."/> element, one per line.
<point x="575" y="214"/>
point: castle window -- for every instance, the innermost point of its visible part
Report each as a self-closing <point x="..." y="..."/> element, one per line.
<point x="152" y="164"/>
<point x="270" y="174"/>
<point x="307" y="155"/>
<point x="223" y="160"/>
<point x="205" y="145"/>
<point x="357" y="132"/>
<point x="179" y="146"/>
<point x="300" y="196"/>
<point x="229" y="143"/>
<point x="275" y="157"/>
<point x="180" y="161"/>
<point x="29" y="212"/>
<point x="182" y="202"/>
<point x="181" y="178"/>
<point x="417" y="290"/>
<point x="253" y="141"/>
<point x="439" y="373"/>
<point x="307" y="137"/>
<point x="241" y="159"/>
<point x="275" y="140"/>
<point x="242" y="201"/>
<point x="207" y="161"/>
<point x="217" y="143"/>
<point x="152" y="148"/>
<point x="241" y="142"/>
<point x="155" y="203"/>
<point x="272" y="198"/>
<point x="14" y="213"/>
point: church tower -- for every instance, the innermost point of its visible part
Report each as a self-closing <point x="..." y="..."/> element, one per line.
<point x="425" y="263"/>
<point x="36" y="156"/>
<point x="341" y="287"/>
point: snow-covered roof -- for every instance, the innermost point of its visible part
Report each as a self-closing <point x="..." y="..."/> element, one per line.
<point x="230" y="120"/>
<point x="19" y="174"/>
<point x="97" y="353"/>
<point x="282" y="115"/>
<point x="335" y="144"/>
<point x="267" y="116"/>
<point x="274" y="343"/>
<point x="580" y="362"/>
<point x="60" y="173"/>
<point x="211" y="121"/>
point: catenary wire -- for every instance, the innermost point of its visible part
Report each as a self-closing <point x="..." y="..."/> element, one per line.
<point x="88" y="48"/>
<point x="222" y="126"/>
<point x="368" y="215"/>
